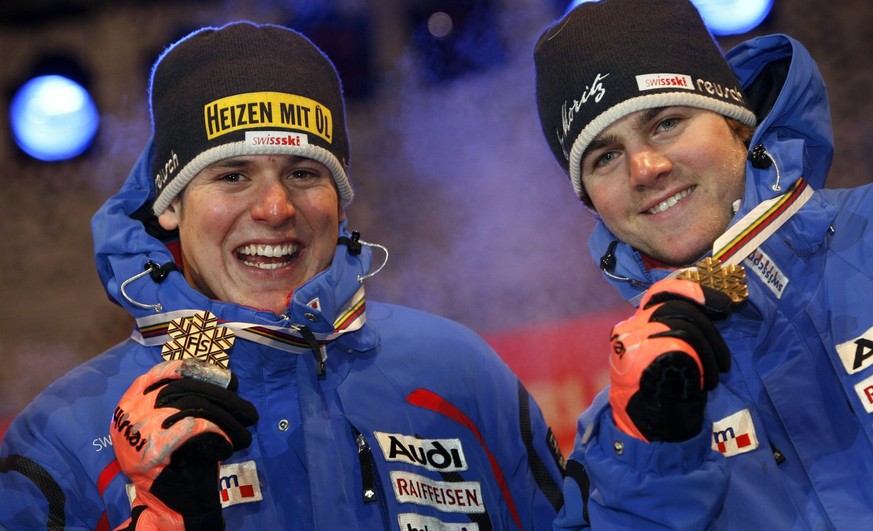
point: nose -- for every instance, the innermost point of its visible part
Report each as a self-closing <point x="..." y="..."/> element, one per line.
<point x="272" y="204"/>
<point x="647" y="165"/>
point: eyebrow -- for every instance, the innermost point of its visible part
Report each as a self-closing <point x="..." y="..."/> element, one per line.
<point x="598" y="143"/>
<point x="242" y="161"/>
<point x="230" y="163"/>
<point x="647" y="116"/>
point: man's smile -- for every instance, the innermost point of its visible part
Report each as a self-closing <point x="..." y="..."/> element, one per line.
<point x="670" y="201"/>
<point x="265" y="256"/>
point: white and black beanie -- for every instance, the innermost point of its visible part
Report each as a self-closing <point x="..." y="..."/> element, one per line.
<point x="244" y="89"/>
<point x="607" y="59"/>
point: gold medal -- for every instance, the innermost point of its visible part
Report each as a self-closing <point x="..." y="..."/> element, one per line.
<point x="729" y="279"/>
<point x="198" y="337"/>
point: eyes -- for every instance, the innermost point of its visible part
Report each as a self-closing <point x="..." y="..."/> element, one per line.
<point x="605" y="159"/>
<point x="654" y="126"/>
<point x="296" y="175"/>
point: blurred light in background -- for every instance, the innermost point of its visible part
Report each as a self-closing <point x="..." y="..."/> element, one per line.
<point x="52" y="115"/>
<point x="454" y="38"/>
<point x="725" y="17"/>
<point x="733" y="17"/>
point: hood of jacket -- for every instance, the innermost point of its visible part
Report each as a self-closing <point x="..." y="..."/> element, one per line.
<point x="788" y="95"/>
<point x="127" y="238"/>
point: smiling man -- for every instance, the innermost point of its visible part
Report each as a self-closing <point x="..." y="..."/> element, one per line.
<point x="665" y="180"/>
<point x="740" y="389"/>
<point x="260" y="388"/>
<point x="233" y="218"/>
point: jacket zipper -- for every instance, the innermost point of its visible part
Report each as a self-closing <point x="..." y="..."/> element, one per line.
<point x="368" y="481"/>
<point x="370" y="485"/>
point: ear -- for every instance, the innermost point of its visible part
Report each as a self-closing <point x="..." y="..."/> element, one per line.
<point x="341" y="213"/>
<point x="169" y="218"/>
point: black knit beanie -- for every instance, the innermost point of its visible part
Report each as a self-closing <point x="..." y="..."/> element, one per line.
<point x="244" y="89"/>
<point x="607" y="59"/>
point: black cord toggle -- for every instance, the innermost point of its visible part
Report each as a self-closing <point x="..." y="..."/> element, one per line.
<point x="607" y="261"/>
<point x="160" y="272"/>
<point x="760" y="158"/>
<point x="353" y="243"/>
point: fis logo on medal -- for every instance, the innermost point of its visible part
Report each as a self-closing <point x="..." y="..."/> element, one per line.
<point x="198" y="337"/>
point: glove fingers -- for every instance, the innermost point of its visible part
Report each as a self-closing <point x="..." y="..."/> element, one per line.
<point x="241" y="409"/>
<point x="714" y="303"/>
<point x="203" y="447"/>
<point x="673" y="376"/>
<point x="196" y="406"/>
<point x="157" y="385"/>
<point x="688" y="311"/>
<point x="692" y="326"/>
<point x="699" y="345"/>
<point x="669" y="404"/>
<point x="189" y="483"/>
<point x="717" y="303"/>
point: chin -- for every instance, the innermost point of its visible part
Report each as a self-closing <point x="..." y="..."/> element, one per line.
<point x="677" y="259"/>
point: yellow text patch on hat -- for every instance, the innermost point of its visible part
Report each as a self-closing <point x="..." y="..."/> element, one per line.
<point x="267" y="109"/>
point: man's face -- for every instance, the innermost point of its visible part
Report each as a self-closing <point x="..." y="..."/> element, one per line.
<point x="253" y="228"/>
<point x="664" y="180"/>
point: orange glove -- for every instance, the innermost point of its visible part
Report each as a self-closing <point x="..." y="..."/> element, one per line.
<point x="665" y="358"/>
<point x="169" y="432"/>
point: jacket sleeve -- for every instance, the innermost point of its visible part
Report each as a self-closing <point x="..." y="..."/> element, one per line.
<point x="615" y="481"/>
<point x="41" y="485"/>
<point x="545" y="463"/>
<point x="513" y="427"/>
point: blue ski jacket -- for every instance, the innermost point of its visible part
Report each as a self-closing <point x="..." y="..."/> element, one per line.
<point x="411" y="422"/>
<point x="791" y="439"/>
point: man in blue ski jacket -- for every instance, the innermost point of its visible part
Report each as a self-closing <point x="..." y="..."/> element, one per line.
<point x="260" y="389"/>
<point x="705" y="173"/>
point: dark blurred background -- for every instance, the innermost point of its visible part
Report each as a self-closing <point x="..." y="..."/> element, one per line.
<point x="450" y="169"/>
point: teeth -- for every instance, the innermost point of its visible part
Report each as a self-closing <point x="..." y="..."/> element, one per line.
<point x="263" y="266"/>
<point x="268" y="251"/>
<point x="664" y="205"/>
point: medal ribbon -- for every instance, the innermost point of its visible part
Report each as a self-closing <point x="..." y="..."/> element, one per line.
<point x="760" y="223"/>
<point x="722" y="271"/>
<point x="153" y="330"/>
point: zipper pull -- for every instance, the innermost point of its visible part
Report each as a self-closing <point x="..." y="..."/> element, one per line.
<point x="319" y="351"/>
<point x="365" y="457"/>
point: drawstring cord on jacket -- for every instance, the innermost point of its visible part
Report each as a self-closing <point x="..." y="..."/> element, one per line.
<point x="354" y="244"/>
<point x="158" y="274"/>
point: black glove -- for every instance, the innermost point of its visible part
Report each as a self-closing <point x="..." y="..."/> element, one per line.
<point x="170" y="430"/>
<point x="665" y="358"/>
